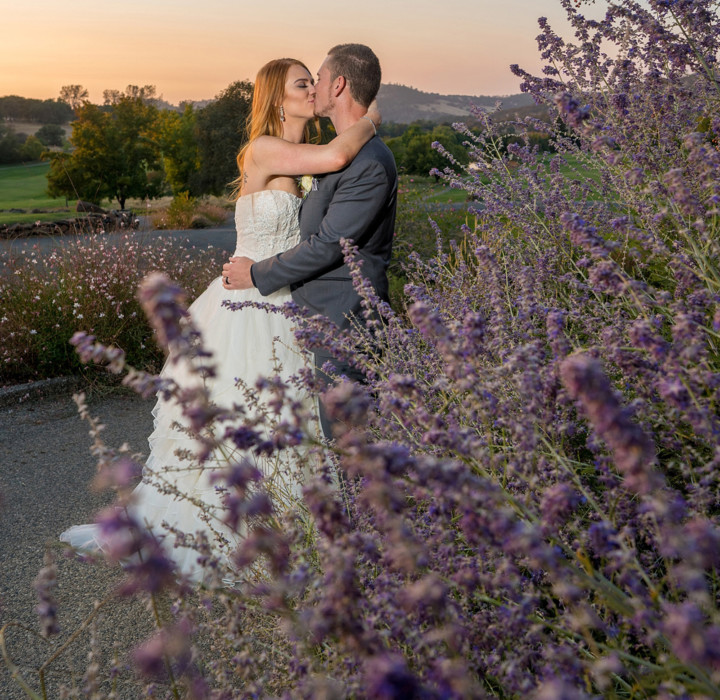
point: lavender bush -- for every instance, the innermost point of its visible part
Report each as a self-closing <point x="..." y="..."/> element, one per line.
<point x="418" y="200"/>
<point x="529" y="477"/>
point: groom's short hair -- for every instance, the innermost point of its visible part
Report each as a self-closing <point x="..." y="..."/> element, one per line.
<point x="359" y="65"/>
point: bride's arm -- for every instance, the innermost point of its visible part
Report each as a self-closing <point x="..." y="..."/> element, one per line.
<point x="274" y="156"/>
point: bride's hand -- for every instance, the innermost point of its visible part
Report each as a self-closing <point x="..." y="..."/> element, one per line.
<point x="236" y="273"/>
<point x="374" y="114"/>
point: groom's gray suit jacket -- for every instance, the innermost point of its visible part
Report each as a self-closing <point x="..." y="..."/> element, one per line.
<point x="357" y="203"/>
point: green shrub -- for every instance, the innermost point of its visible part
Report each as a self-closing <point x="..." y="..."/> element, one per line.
<point x="186" y="212"/>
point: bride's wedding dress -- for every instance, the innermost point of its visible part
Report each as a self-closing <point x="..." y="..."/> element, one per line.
<point x="245" y="344"/>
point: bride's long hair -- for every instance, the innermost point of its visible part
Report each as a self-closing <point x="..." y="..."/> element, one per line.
<point x="264" y="119"/>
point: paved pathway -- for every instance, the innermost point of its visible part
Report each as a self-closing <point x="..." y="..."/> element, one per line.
<point x="45" y="470"/>
<point x="222" y="236"/>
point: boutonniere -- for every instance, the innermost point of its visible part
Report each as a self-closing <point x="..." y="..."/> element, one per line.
<point x="307" y="183"/>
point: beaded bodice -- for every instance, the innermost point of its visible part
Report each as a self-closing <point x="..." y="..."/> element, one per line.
<point x="266" y="223"/>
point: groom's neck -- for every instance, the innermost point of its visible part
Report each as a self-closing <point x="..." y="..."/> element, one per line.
<point x="346" y="115"/>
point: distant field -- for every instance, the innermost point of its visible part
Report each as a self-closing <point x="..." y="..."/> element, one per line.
<point x="441" y="193"/>
<point x="430" y="191"/>
<point x="24" y="187"/>
<point x="31" y="128"/>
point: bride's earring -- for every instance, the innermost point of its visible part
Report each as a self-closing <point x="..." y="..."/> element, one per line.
<point x="282" y="113"/>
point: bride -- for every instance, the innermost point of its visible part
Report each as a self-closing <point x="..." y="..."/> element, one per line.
<point x="176" y="497"/>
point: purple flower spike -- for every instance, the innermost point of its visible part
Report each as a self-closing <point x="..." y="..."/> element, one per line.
<point x="151" y="573"/>
<point x="558" y="502"/>
<point x="347" y="403"/>
<point x="571" y="110"/>
<point x="170" y="646"/>
<point x="119" y="475"/>
<point x="165" y="306"/>
<point x="388" y="678"/>
<point x="633" y="451"/>
<point x="164" y="303"/>
<point x="44" y="585"/>
<point x="692" y="639"/>
<point x="122" y="537"/>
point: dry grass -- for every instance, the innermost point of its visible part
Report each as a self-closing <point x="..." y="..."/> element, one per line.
<point x="31" y="128"/>
<point x="184" y="212"/>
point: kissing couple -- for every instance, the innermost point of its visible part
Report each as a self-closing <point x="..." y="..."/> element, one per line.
<point x="288" y="247"/>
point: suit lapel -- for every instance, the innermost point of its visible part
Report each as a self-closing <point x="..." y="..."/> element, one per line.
<point x="322" y="184"/>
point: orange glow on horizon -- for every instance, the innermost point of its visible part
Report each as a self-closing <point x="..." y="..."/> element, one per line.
<point x="193" y="52"/>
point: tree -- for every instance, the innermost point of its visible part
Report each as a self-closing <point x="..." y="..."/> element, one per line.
<point x="32" y="110"/>
<point x="180" y="150"/>
<point x="220" y="134"/>
<point x="68" y="178"/>
<point x="52" y="112"/>
<point x="146" y="93"/>
<point x="111" y="97"/>
<point x="388" y="130"/>
<point x="10" y="144"/>
<point x="414" y="153"/>
<point x="51" y="135"/>
<point x="31" y="150"/>
<point x="116" y="154"/>
<point x="74" y="95"/>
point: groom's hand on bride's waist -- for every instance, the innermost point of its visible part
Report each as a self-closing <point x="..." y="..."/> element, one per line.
<point x="236" y="273"/>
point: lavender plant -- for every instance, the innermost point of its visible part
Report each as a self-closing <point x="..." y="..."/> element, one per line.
<point x="418" y="202"/>
<point x="529" y="499"/>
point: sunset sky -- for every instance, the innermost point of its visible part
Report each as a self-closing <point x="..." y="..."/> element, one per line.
<point x="193" y="50"/>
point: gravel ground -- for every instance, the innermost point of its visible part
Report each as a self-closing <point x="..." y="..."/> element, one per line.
<point x="45" y="472"/>
<point x="45" y="469"/>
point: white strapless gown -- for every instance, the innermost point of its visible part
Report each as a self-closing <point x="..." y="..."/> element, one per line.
<point x="246" y="344"/>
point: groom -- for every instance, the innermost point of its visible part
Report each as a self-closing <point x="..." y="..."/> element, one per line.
<point x="357" y="203"/>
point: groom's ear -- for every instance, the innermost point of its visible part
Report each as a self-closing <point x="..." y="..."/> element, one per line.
<point x="340" y="85"/>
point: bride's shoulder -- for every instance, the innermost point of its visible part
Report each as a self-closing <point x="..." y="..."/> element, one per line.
<point x="258" y="159"/>
<point x="263" y="151"/>
<point x="271" y="146"/>
<point x="262" y="143"/>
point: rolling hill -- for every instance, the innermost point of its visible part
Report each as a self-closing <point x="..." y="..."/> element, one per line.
<point x="402" y="104"/>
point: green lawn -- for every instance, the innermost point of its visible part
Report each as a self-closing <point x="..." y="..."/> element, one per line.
<point x="24" y="187"/>
<point x="443" y="193"/>
<point x="430" y="191"/>
<point x="575" y="168"/>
